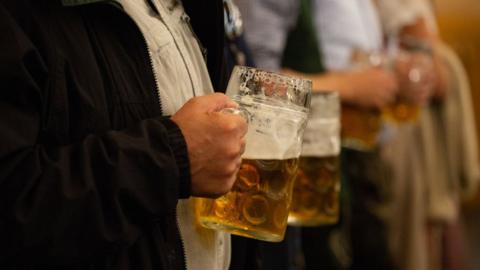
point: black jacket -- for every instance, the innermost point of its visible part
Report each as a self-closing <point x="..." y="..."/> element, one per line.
<point x="90" y="172"/>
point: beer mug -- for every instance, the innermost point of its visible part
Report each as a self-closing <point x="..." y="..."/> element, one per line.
<point x="412" y="62"/>
<point x="361" y="126"/>
<point x="317" y="186"/>
<point x="258" y="204"/>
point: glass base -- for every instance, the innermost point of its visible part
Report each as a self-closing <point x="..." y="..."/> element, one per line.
<point x="242" y="231"/>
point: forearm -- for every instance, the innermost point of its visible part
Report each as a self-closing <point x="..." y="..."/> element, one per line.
<point x="341" y="82"/>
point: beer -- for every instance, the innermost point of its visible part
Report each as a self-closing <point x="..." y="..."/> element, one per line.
<point x="401" y="112"/>
<point x="360" y="128"/>
<point x="258" y="204"/>
<point x="316" y="192"/>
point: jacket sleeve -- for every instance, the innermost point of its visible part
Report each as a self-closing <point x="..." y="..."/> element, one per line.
<point x="72" y="201"/>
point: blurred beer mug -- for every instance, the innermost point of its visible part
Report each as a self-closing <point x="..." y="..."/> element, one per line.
<point x="412" y="62"/>
<point x="361" y="126"/>
<point x="258" y="204"/>
<point x="317" y="186"/>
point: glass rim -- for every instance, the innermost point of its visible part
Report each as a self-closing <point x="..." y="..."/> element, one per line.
<point x="324" y="92"/>
<point x="304" y="84"/>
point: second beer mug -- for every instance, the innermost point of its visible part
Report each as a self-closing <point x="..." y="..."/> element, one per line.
<point x="361" y="126"/>
<point x="258" y="204"/>
<point x="317" y="186"/>
<point x="412" y="61"/>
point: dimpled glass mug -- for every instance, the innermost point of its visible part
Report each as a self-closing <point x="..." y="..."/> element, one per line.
<point x="317" y="186"/>
<point x="277" y="109"/>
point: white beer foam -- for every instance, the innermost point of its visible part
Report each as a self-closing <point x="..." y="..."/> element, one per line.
<point x="322" y="135"/>
<point x="273" y="132"/>
<point x="321" y="138"/>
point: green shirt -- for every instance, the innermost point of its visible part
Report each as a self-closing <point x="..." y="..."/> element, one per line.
<point x="302" y="51"/>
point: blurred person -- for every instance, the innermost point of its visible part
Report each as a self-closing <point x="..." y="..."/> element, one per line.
<point x="346" y="28"/>
<point x="434" y="161"/>
<point x="267" y="33"/>
<point x="268" y="24"/>
<point x="93" y="168"/>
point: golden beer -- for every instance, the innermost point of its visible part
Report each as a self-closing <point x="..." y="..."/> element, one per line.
<point x="316" y="192"/>
<point x="360" y="127"/>
<point x="401" y="112"/>
<point x="258" y="204"/>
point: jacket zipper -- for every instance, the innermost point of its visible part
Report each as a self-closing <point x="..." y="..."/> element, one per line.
<point x="150" y="58"/>
<point x="182" y="244"/>
<point x="186" y="19"/>
<point x="150" y="55"/>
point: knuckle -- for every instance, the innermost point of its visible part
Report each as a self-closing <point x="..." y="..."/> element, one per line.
<point x="230" y="153"/>
<point x="226" y="175"/>
<point x="231" y="126"/>
<point x="235" y="151"/>
<point x="230" y="169"/>
<point x="218" y="98"/>
<point x="194" y="101"/>
<point x="219" y="95"/>
<point x="243" y="146"/>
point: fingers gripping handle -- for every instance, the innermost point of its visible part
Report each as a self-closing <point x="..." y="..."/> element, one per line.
<point x="238" y="111"/>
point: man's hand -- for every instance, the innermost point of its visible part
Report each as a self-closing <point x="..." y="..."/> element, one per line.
<point x="215" y="142"/>
<point x="416" y="77"/>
